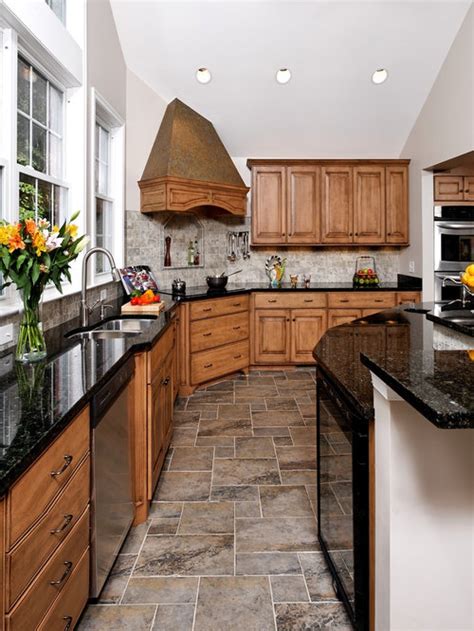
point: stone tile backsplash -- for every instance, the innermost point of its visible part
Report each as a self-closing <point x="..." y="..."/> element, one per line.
<point x="145" y="245"/>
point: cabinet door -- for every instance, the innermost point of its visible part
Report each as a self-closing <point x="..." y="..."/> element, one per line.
<point x="304" y="205"/>
<point x="448" y="188"/>
<point x="175" y="357"/>
<point x="369" y="204"/>
<point x="156" y="424"/>
<point x="398" y="338"/>
<point x="307" y="327"/>
<point x="342" y="316"/>
<point x="168" y="398"/>
<point x="272" y="336"/>
<point x="337" y="204"/>
<point x="469" y="188"/>
<point x="269" y="204"/>
<point x="396" y="199"/>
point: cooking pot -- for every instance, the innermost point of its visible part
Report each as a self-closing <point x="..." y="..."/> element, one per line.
<point x="179" y="286"/>
<point x="219" y="281"/>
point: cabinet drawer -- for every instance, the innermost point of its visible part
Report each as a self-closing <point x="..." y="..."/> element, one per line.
<point x="365" y="300"/>
<point x="42" y="540"/>
<point x="160" y="350"/>
<point x="35" y="490"/>
<point x="50" y="582"/>
<point x="408" y="296"/>
<point x="218" y="331"/>
<point x="342" y="316"/>
<point x="287" y="300"/>
<point x="220" y="306"/>
<point x="68" y="607"/>
<point x="210" y="364"/>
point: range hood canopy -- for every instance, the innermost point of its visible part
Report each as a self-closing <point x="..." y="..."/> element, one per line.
<point x="189" y="167"/>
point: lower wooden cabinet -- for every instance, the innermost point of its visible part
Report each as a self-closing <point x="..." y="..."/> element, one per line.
<point x="272" y="336"/>
<point x="307" y="327"/>
<point x="342" y="316"/>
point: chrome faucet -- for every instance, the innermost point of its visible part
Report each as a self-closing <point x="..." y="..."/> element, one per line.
<point x="85" y="309"/>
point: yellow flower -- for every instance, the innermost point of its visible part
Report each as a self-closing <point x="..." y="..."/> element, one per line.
<point x="55" y="228"/>
<point x="6" y="232"/>
<point x="39" y="242"/>
<point x="72" y="229"/>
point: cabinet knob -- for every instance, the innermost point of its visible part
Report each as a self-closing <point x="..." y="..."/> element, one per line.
<point x="236" y="328"/>
<point x="356" y="234"/>
<point x="207" y="334"/>
<point x="273" y="300"/>
<point x="350" y="234"/>
<point x="287" y="319"/>
<point x="294" y="319"/>
<point x="207" y="365"/>
<point x="237" y="356"/>
<point x="208" y="309"/>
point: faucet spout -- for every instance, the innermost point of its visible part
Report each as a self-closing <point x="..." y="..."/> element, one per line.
<point x="85" y="309"/>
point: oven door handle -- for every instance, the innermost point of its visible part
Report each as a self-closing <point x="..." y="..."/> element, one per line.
<point x="456" y="226"/>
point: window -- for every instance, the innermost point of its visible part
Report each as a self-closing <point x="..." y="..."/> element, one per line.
<point x="58" y="7"/>
<point x="103" y="201"/>
<point x="40" y="125"/>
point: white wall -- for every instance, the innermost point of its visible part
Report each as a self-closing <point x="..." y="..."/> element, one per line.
<point x="145" y="109"/>
<point x="443" y="130"/>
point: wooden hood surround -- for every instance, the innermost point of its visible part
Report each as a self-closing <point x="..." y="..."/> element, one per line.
<point x="189" y="168"/>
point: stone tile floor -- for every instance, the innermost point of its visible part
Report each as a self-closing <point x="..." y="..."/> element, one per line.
<point x="231" y="538"/>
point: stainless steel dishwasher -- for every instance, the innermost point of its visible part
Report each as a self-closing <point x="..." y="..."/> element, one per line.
<point x="112" y="502"/>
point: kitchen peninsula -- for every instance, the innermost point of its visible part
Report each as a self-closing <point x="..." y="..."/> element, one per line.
<point x="397" y="533"/>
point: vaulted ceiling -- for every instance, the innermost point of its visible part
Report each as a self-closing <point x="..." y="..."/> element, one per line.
<point x="330" y="108"/>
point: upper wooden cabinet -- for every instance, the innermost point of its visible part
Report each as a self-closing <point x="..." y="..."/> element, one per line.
<point x="330" y="202"/>
<point x="453" y="188"/>
<point x="286" y="204"/>
<point x="269" y="204"/>
<point x="396" y="201"/>
<point x="369" y="204"/>
<point x="337" y="205"/>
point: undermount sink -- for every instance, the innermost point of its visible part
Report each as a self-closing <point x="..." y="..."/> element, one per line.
<point x="114" y="328"/>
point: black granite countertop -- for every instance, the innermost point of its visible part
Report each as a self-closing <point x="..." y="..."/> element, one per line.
<point x="404" y="283"/>
<point x="39" y="400"/>
<point x="400" y="347"/>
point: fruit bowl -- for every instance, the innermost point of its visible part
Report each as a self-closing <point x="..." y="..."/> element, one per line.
<point x="467" y="278"/>
<point x="365" y="275"/>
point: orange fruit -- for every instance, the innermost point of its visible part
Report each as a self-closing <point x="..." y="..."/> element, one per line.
<point x="470" y="269"/>
<point x="471" y="355"/>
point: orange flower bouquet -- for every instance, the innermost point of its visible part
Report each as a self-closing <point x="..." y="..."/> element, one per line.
<point x="32" y="254"/>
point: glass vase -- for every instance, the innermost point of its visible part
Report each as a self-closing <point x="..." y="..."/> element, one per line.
<point x="31" y="346"/>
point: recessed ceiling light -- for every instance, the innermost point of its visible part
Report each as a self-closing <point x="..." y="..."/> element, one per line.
<point x="380" y="75"/>
<point x="283" y="75"/>
<point x="203" y="75"/>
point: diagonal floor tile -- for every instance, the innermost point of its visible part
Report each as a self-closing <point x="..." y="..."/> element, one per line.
<point x="234" y="603"/>
<point x="186" y="555"/>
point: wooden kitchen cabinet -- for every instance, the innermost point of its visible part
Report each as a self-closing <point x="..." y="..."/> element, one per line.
<point x="303" y="204"/>
<point x="453" y="188"/>
<point x="330" y="202"/>
<point x="342" y="316"/>
<point x="405" y="297"/>
<point x="337" y="215"/>
<point x="396" y="205"/>
<point x="268" y="204"/>
<point x="369" y="204"/>
<point x="307" y="328"/>
<point x="272" y="336"/>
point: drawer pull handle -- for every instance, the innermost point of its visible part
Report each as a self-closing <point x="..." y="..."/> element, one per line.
<point x="68" y="621"/>
<point x="64" y="525"/>
<point x="237" y="356"/>
<point x="67" y="571"/>
<point x="208" y="309"/>
<point x="166" y="381"/>
<point x="236" y="328"/>
<point x="273" y="300"/>
<point x="343" y="300"/>
<point x="207" y="334"/>
<point x="378" y="300"/>
<point x="207" y="365"/>
<point x="236" y="304"/>
<point x="308" y="300"/>
<point x="67" y="461"/>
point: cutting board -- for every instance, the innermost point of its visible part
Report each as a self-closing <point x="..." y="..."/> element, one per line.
<point x="153" y="309"/>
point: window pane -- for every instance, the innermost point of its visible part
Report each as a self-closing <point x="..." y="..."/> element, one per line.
<point x="58" y="7"/>
<point x="39" y="148"/>
<point x="103" y="237"/>
<point x="44" y="200"/>
<point x="104" y="145"/>
<point x="97" y="141"/>
<point x="103" y="179"/>
<point x="27" y="193"/>
<point x="23" y="86"/>
<point x="55" y="110"/>
<point x="23" y="140"/>
<point x="55" y="156"/>
<point x="40" y="87"/>
<point x="59" y="202"/>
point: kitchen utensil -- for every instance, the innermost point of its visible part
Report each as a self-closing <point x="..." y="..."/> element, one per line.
<point x="179" y="286"/>
<point x="232" y="273"/>
<point x="216" y="282"/>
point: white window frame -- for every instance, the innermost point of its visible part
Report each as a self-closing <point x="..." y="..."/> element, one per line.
<point x="104" y="114"/>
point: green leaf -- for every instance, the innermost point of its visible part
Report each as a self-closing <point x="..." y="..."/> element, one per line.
<point x="35" y="272"/>
<point x="75" y="216"/>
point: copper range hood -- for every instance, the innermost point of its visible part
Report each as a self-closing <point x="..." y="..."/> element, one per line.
<point x="189" y="168"/>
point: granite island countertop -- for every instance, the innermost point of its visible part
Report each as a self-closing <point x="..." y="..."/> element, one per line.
<point x="402" y="348"/>
<point x="40" y="400"/>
